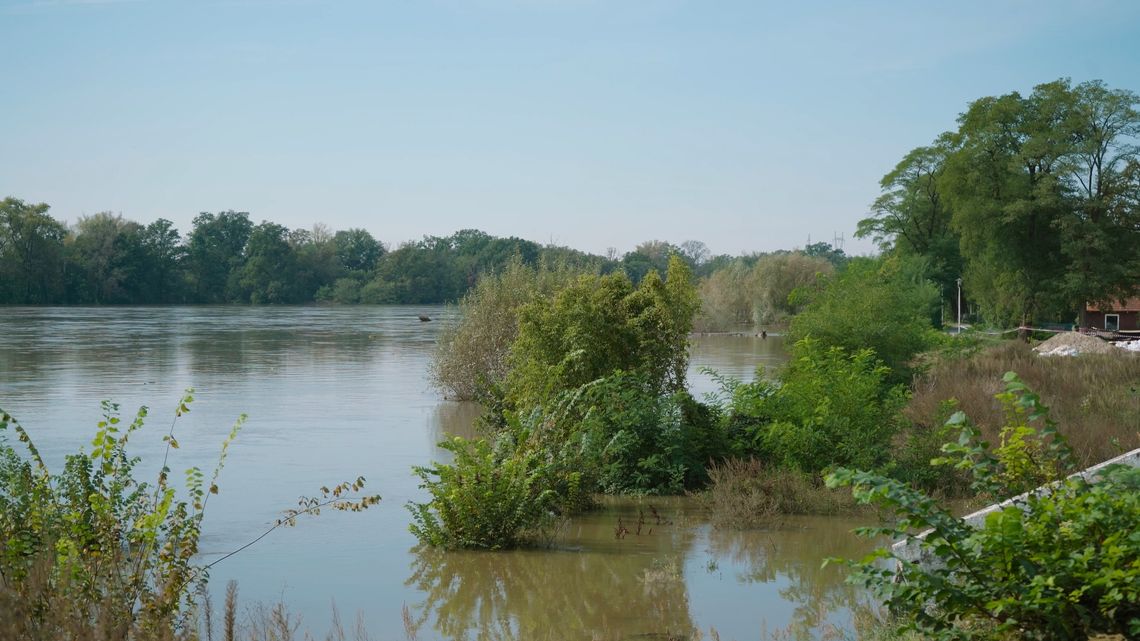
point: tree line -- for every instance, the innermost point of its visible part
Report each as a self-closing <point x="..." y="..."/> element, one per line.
<point x="226" y="258"/>
<point x="105" y="259"/>
<point x="1033" y="201"/>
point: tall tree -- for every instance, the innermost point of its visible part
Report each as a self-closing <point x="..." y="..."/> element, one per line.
<point x="1031" y="184"/>
<point x="31" y="254"/>
<point x="215" y="253"/>
<point x="164" y="281"/>
<point x="269" y="272"/>
<point x="1101" y="232"/>
<point x="357" y="250"/>
<point x="107" y="250"/>
<point x="912" y="216"/>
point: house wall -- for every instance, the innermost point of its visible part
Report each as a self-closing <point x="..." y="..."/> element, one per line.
<point x="1128" y="320"/>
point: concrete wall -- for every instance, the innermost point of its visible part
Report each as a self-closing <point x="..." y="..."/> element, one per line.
<point x="910" y="550"/>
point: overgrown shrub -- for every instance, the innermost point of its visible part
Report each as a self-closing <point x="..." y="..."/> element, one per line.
<point x="1061" y="563"/>
<point x="483" y="499"/>
<point x="644" y="442"/>
<point x="600" y="325"/>
<point x="829" y="407"/>
<point x="471" y="355"/>
<point x="880" y="304"/>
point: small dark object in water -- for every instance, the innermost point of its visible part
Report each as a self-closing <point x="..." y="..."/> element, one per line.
<point x="424" y="318"/>
<point x="763" y="335"/>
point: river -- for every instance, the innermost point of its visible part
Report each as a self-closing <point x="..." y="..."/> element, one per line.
<point x="337" y="392"/>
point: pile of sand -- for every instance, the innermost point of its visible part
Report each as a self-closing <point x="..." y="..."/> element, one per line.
<point x="1073" y="344"/>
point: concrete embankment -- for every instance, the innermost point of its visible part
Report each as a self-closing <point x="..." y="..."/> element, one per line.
<point x="911" y="549"/>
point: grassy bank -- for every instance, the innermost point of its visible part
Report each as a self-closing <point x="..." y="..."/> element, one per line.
<point x="1093" y="398"/>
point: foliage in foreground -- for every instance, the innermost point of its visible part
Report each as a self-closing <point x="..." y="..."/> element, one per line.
<point x="96" y="553"/>
<point x="1059" y="563"/>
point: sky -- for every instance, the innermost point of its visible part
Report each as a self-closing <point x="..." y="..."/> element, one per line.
<point x="750" y="126"/>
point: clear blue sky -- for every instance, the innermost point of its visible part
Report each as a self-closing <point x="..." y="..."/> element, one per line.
<point x="748" y="125"/>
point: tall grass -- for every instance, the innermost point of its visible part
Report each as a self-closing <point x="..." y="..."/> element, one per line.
<point x="1094" y="398"/>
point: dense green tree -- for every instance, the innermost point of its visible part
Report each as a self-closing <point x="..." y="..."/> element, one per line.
<point x="826" y="251"/>
<point x="269" y="272"/>
<point x="357" y="250"/>
<point x="600" y="325"/>
<point x="880" y="304"/>
<point x="31" y="254"/>
<point x="164" y="279"/>
<point x="317" y="265"/>
<point x="651" y="255"/>
<point x="1031" y="200"/>
<point x="215" y="253"/>
<point x="1005" y="184"/>
<point x="107" y="252"/>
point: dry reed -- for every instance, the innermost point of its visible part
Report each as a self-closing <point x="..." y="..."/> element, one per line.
<point x="1093" y="398"/>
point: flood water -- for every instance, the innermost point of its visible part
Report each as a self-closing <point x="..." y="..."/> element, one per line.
<point x="333" y="393"/>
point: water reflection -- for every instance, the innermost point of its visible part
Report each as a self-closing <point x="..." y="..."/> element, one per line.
<point x="454" y="418"/>
<point x="790" y="557"/>
<point x="589" y="585"/>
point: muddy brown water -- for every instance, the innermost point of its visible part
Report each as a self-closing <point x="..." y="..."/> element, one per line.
<point x="333" y="393"/>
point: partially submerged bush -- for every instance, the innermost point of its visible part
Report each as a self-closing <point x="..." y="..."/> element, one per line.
<point x="481" y="499"/>
<point x="600" y="325"/>
<point x="1062" y="562"/>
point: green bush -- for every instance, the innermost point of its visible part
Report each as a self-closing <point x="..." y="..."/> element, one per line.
<point x="644" y="442"/>
<point x="829" y="407"/>
<point x="1061" y="563"/>
<point x="470" y="359"/>
<point x="483" y="499"/>
<point x="877" y="304"/>
<point x="93" y="552"/>
<point x="917" y="445"/>
<point x="600" y="325"/>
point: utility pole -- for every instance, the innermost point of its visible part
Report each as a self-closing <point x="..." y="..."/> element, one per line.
<point x="959" y="305"/>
